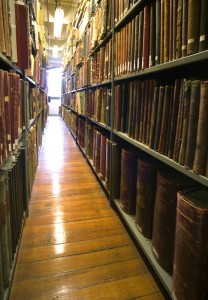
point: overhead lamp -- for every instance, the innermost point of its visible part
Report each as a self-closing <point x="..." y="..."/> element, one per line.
<point x="55" y="51"/>
<point x="58" y="21"/>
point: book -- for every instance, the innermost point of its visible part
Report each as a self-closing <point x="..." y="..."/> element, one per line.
<point x="146" y="37"/>
<point x="190" y="258"/>
<point x="200" y="158"/>
<point x="12" y="22"/>
<point x="159" y="117"/>
<point x="169" y="183"/>
<point x="22" y="34"/>
<point x="193" y="30"/>
<point x="157" y="33"/>
<point x="187" y="95"/>
<point x="166" y="30"/>
<point x="102" y="156"/>
<point x="178" y="46"/>
<point x="154" y="117"/>
<point x="128" y="180"/>
<point x="152" y="34"/>
<point x="2" y="40"/>
<point x="203" y="34"/>
<point x="145" y="195"/>
<point x="193" y="123"/>
<point x="5" y="13"/>
<point x="115" y="170"/>
<point x="162" y="32"/>
<point x="184" y="28"/>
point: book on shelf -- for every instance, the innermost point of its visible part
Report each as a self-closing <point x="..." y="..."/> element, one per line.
<point x="145" y="195"/>
<point x="6" y="26"/>
<point x="128" y="180"/>
<point x="190" y="275"/>
<point x="163" y="236"/>
<point x="203" y="34"/>
<point x="193" y="30"/>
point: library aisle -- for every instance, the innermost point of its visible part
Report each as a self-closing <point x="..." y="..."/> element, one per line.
<point x="73" y="245"/>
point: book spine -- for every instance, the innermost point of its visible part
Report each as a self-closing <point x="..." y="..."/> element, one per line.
<point x="203" y="36"/>
<point x="193" y="26"/>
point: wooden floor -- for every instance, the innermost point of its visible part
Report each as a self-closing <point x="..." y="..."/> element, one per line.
<point x="74" y="246"/>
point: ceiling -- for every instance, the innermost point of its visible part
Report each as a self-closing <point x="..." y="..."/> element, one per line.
<point x="48" y="7"/>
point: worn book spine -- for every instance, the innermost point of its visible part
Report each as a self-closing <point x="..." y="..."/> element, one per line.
<point x="179" y="30"/>
<point x="164" y="124"/>
<point x="128" y="181"/>
<point x="203" y="35"/>
<point x="130" y="112"/>
<point x="152" y="34"/>
<point x="159" y="117"/>
<point x="169" y="121"/>
<point x="13" y="38"/>
<point x="140" y="40"/>
<point x="7" y="104"/>
<point x="124" y="108"/>
<point x="163" y="237"/>
<point x="170" y="24"/>
<point x="154" y="117"/>
<point x="145" y="196"/>
<point x="136" y="38"/>
<point x="157" y="31"/>
<point x="145" y="111"/>
<point x="166" y="30"/>
<point x="2" y="40"/>
<point x="162" y="32"/>
<point x="193" y="26"/>
<point x="190" y="259"/>
<point x="138" y="109"/>
<point x="174" y="26"/>
<point x="6" y="27"/>
<point x="184" y="27"/>
<point x="193" y="123"/>
<point x="201" y="151"/>
<point x="146" y="37"/>
<point x="187" y="95"/>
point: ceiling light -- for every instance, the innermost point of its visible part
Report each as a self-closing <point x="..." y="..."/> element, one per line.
<point x="58" y="21"/>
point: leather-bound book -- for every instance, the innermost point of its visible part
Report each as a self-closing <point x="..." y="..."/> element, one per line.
<point x="154" y="117"/>
<point x="152" y="34"/>
<point x="145" y="195"/>
<point x="107" y="165"/>
<point x="142" y="100"/>
<point x="166" y="29"/>
<point x="124" y="119"/>
<point x="157" y="36"/>
<point x="152" y="84"/>
<point x="145" y="111"/>
<point x="136" y="39"/>
<point x="132" y="47"/>
<point x="187" y="95"/>
<point x="146" y="38"/>
<point x="102" y="156"/>
<point x="159" y="117"/>
<point x="178" y="51"/>
<point x="115" y="170"/>
<point x="138" y="109"/>
<point x="128" y="180"/>
<point x="179" y="127"/>
<point x="140" y="39"/>
<point x="22" y="34"/>
<point x="184" y="27"/>
<point x="193" y="26"/>
<point x="165" y="119"/>
<point x="97" y="151"/>
<point x="2" y="39"/>
<point x="5" y="6"/>
<point x="12" y="23"/>
<point x="162" y="32"/>
<point x="130" y="110"/>
<point x="190" y="276"/>
<point x="174" y="26"/>
<point x="203" y="35"/>
<point x="170" y="23"/>
<point x="7" y="105"/>
<point x="168" y="130"/>
<point x="174" y="117"/>
<point x="201" y="151"/>
<point x="163" y="237"/>
<point x="193" y="123"/>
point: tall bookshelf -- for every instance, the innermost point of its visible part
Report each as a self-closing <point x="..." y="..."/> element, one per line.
<point x="140" y="51"/>
<point x="23" y="116"/>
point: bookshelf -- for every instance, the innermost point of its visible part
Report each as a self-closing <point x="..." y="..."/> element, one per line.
<point x="23" y="116"/>
<point x="151" y="64"/>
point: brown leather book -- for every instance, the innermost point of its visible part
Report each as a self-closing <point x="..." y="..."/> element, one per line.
<point x="136" y="39"/>
<point x="154" y="117"/>
<point x="170" y="23"/>
<point x="102" y="156"/>
<point x="137" y="109"/>
<point x="130" y="110"/>
<point x="2" y="39"/>
<point x="187" y="96"/>
<point x="107" y="165"/>
<point x="203" y="35"/>
<point x="174" y="27"/>
<point x="146" y="38"/>
<point x="97" y="151"/>
<point x="163" y="237"/>
<point x="159" y="117"/>
<point x="145" y="111"/>
<point x="128" y="181"/>
<point x="201" y="151"/>
<point x="174" y="117"/>
<point x="184" y="27"/>
<point x="193" y="123"/>
<point x="157" y="37"/>
<point x="168" y="131"/>
<point x="193" y="26"/>
<point x="3" y="141"/>
<point x="178" y="51"/>
<point x="162" y="32"/>
<point x="5" y="7"/>
<point x="140" y="40"/>
<point x="165" y="119"/>
<point x="22" y="34"/>
<point x="124" y="119"/>
<point x="152" y="34"/>
<point x="7" y="105"/>
<point x="179" y="127"/>
<point x="145" y="195"/>
<point x="190" y="276"/>
<point x="166" y="30"/>
<point x="142" y="101"/>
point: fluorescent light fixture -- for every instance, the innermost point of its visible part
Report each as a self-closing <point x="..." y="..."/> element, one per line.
<point x="55" y="51"/>
<point x="58" y="21"/>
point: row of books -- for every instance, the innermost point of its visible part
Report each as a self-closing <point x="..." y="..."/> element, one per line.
<point x="172" y="211"/>
<point x="70" y="119"/>
<point x="12" y="207"/>
<point x="11" y="117"/>
<point x="170" y="119"/>
<point x="163" y="31"/>
<point x="121" y="7"/>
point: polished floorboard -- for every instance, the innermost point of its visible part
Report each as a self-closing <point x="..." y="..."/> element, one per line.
<point x="74" y="246"/>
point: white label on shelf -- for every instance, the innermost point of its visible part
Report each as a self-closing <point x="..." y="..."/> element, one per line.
<point x="202" y="38"/>
<point x="183" y="47"/>
<point x="16" y="142"/>
<point x="10" y="147"/>
<point x="190" y="41"/>
<point x="8" y="137"/>
<point x="155" y="252"/>
<point x="6" y="98"/>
